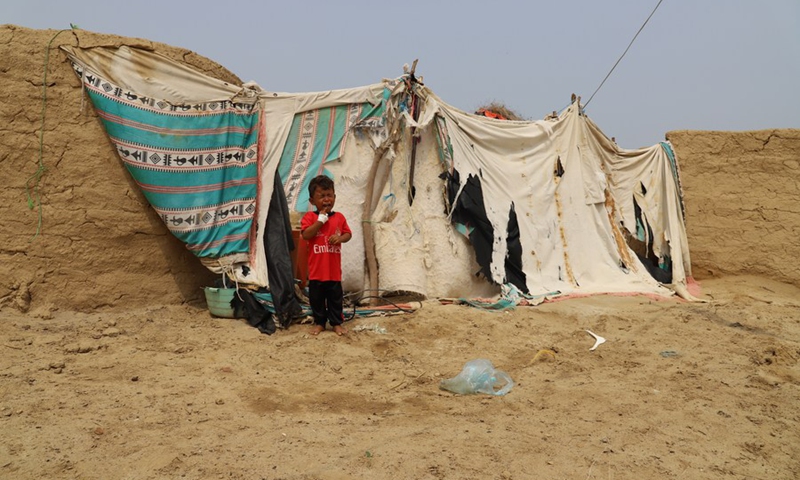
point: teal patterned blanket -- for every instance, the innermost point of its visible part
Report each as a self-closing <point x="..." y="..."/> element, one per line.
<point x="196" y="164"/>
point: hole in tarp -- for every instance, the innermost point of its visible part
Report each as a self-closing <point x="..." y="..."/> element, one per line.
<point x="559" y="172"/>
<point x="513" y="260"/>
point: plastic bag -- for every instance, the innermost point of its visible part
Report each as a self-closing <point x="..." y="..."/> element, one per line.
<point x="478" y="376"/>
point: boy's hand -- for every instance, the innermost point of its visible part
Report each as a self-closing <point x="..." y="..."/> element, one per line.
<point x="338" y="238"/>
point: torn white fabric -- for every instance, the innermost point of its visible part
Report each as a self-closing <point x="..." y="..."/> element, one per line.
<point x="572" y="189"/>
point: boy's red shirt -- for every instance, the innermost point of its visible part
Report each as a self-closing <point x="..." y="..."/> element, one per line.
<point x="325" y="260"/>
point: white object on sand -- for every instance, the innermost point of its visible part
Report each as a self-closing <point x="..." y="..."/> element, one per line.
<point x="598" y="340"/>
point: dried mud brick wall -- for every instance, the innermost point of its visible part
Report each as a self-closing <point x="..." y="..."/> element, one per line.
<point x="742" y="195"/>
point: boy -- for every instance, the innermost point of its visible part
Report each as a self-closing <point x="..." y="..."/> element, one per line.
<point x="325" y="231"/>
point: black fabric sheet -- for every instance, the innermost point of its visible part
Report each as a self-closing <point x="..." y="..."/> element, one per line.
<point x="278" y="245"/>
<point x="470" y="211"/>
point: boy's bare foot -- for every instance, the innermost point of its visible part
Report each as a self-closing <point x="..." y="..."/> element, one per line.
<point x="317" y="329"/>
<point x="339" y="330"/>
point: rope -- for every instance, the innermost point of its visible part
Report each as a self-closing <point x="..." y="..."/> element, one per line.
<point x="230" y="272"/>
<point x="623" y="53"/>
<point x="36" y="177"/>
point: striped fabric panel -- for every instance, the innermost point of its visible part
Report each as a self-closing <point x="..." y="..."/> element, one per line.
<point x="316" y="138"/>
<point x="197" y="165"/>
<point x="673" y="163"/>
<point x="445" y="148"/>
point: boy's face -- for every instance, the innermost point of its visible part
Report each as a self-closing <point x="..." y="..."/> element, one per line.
<point x="323" y="199"/>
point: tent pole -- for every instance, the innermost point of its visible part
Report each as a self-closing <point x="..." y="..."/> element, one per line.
<point x="366" y="223"/>
<point x="412" y="80"/>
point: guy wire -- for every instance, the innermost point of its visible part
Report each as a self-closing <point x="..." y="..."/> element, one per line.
<point x="623" y="54"/>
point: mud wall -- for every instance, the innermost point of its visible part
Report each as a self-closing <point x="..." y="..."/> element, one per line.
<point x="100" y="244"/>
<point x="742" y="195"/>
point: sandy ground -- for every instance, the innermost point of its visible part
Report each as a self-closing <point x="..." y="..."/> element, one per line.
<point x="679" y="390"/>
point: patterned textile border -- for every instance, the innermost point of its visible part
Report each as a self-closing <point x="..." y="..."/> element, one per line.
<point x="196" y="164"/>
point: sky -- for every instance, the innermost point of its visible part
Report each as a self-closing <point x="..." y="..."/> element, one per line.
<point x="696" y="65"/>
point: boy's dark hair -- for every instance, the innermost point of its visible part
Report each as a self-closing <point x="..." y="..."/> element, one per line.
<point x="320" y="181"/>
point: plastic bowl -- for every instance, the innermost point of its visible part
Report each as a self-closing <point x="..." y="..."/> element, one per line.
<point x="219" y="301"/>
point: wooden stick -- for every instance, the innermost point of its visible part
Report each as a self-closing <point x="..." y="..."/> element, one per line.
<point x="366" y="224"/>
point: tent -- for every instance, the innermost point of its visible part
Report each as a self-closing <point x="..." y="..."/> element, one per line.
<point x="450" y="204"/>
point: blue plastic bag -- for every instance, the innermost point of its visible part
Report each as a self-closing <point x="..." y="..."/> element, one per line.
<point x="478" y="376"/>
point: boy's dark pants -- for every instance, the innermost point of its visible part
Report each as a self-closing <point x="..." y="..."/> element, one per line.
<point x="325" y="299"/>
